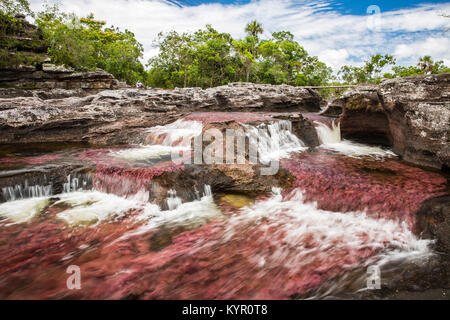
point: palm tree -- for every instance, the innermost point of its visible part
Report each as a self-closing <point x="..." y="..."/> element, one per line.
<point x="254" y="28"/>
<point x="426" y="64"/>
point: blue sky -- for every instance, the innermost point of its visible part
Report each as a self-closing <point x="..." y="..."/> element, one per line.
<point x="337" y="31"/>
<point x="357" y="7"/>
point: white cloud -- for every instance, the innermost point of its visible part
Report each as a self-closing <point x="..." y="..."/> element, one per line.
<point x="335" y="37"/>
<point x="334" y="58"/>
<point x="435" y="47"/>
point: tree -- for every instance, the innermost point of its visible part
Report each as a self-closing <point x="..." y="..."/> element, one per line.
<point x="86" y="44"/>
<point x="369" y="73"/>
<point x="209" y="58"/>
<point x="376" y="64"/>
<point x="285" y="61"/>
<point x="254" y="29"/>
<point x="400" y="71"/>
<point x="203" y="58"/>
<point x="213" y="57"/>
<point x="244" y="50"/>
<point x="353" y="75"/>
<point x="9" y="9"/>
<point x="15" y="7"/>
<point x="428" y="66"/>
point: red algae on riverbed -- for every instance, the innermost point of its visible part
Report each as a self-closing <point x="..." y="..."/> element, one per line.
<point x="282" y="247"/>
<point x="124" y="178"/>
<point x="385" y="189"/>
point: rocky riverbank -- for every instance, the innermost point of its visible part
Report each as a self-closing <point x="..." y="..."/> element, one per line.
<point x="118" y="116"/>
<point x="412" y="115"/>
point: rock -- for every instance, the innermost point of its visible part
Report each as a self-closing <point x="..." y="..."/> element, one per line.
<point x="363" y="118"/>
<point x="418" y="109"/>
<point x="48" y="67"/>
<point x="433" y="222"/>
<point x="410" y="114"/>
<point x="334" y="110"/>
<point x="57" y="77"/>
<point x="25" y="65"/>
<point x="223" y="179"/>
<point x="116" y="116"/>
<point x="303" y="128"/>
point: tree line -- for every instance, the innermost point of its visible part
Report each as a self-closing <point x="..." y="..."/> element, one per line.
<point x="204" y="58"/>
<point x="209" y="58"/>
<point x="371" y="70"/>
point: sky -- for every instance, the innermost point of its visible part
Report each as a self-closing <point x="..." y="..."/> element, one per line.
<point x="339" y="32"/>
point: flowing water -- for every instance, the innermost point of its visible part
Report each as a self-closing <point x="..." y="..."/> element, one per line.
<point x="350" y="207"/>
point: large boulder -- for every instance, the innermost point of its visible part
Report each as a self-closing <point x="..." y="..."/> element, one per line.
<point x="410" y="114"/>
<point x="418" y="109"/>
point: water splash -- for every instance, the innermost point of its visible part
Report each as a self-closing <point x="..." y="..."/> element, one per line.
<point x="313" y="245"/>
<point x="187" y="215"/>
<point x="21" y="211"/>
<point x="92" y="207"/>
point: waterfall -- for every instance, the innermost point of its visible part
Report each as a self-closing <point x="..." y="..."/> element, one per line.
<point x="77" y="183"/>
<point x="275" y="140"/>
<point x="179" y="132"/>
<point x="173" y="201"/>
<point x="25" y="191"/>
<point x="328" y="135"/>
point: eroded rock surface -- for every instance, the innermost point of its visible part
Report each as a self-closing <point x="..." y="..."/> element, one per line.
<point x="113" y="116"/>
<point x="410" y="114"/>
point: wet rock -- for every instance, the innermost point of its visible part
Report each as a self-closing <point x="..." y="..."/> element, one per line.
<point x="303" y="128"/>
<point x="433" y="221"/>
<point x="49" y="174"/>
<point x="237" y="179"/>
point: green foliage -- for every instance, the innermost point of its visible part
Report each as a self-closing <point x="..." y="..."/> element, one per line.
<point x="428" y="66"/>
<point x="353" y="75"/>
<point x="9" y="9"/>
<point x="86" y="44"/>
<point x="15" y="7"/>
<point x="371" y="71"/>
<point x="208" y="58"/>
<point x="201" y="59"/>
